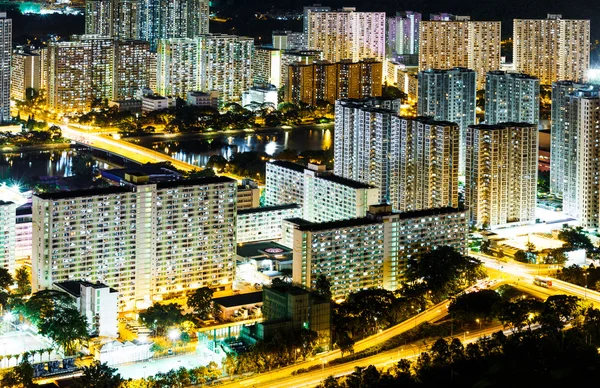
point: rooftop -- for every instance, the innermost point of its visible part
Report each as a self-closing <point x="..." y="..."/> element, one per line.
<point x="240" y="300"/>
<point x="315" y="227"/>
<point x="85" y="193"/>
<point x="262" y="249"/>
<point x="196" y="182"/>
<point x="429" y="212"/>
<point x="345" y="182"/>
<point x="73" y="287"/>
<point x="289" y="165"/>
<point x="266" y="209"/>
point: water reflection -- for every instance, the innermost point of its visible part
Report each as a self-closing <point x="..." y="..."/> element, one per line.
<point x="198" y="151"/>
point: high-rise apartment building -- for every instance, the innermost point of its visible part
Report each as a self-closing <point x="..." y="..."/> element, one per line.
<point x="501" y="174"/>
<point x="575" y="145"/>
<point x="403" y="34"/>
<point x="449" y="95"/>
<point x="511" y="97"/>
<point x="145" y="240"/>
<point x="226" y="64"/>
<point x="552" y="49"/>
<point x="313" y="8"/>
<point x="178" y="67"/>
<point x="8" y="216"/>
<point x="167" y="19"/>
<point x="322" y="195"/>
<point x="459" y="42"/>
<point x="26" y="73"/>
<point x="98" y="17"/>
<point x="289" y="40"/>
<point x="347" y="34"/>
<point x="92" y="68"/>
<point x="266" y="66"/>
<point x="373" y="251"/>
<point x="413" y="161"/>
<point x="563" y="143"/>
<point x="323" y="81"/>
<point x="125" y="19"/>
<point x="5" y="66"/>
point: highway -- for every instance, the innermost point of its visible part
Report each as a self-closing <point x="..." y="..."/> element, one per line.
<point x="284" y="379"/>
<point x="523" y="277"/>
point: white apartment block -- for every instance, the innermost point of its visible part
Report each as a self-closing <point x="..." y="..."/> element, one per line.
<point x="97" y="302"/>
<point x="403" y="34"/>
<point x="145" y="240"/>
<point x="373" y="251"/>
<point x="248" y="195"/>
<point x="511" y="97"/>
<point x="322" y="195"/>
<point x="501" y="174"/>
<point x="178" y="67"/>
<point x="266" y="66"/>
<point x="449" y="95"/>
<point x="423" y="164"/>
<point x="577" y="141"/>
<point x="347" y="34"/>
<point x="26" y="73"/>
<point x="226" y="64"/>
<point x="361" y="141"/>
<point x="446" y="44"/>
<point x="8" y="212"/>
<point x="413" y="161"/>
<point x="552" y="49"/>
<point x="264" y="223"/>
<point x="564" y="141"/>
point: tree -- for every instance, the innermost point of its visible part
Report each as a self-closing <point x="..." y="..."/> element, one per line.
<point x="323" y="286"/>
<point x="23" y="281"/>
<point x="575" y="238"/>
<point x="82" y="166"/>
<point x="521" y="256"/>
<point x="201" y="301"/>
<point x="217" y="161"/>
<point x="475" y="305"/>
<point x="66" y="327"/>
<point x="287" y="154"/>
<point x="517" y="315"/>
<point x="558" y="311"/>
<point x="98" y="375"/>
<point x="161" y="316"/>
<point x="556" y="256"/>
<point x="20" y="376"/>
<point x="443" y="271"/>
<point x="5" y="282"/>
<point x="44" y="304"/>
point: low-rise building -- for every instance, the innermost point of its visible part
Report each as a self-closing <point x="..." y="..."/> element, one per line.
<point x="240" y="307"/>
<point x="156" y="102"/>
<point x="97" y="302"/>
<point x="287" y="308"/>
<point x="262" y="262"/>
<point x="210" y="99"/>
<point x="131" y="105"/>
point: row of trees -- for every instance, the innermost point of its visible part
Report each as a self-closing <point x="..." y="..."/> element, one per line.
<point x="184" y="118"/>
<point x="550" y="356"/>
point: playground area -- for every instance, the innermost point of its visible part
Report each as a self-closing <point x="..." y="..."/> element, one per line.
<point x="14" y="343"/>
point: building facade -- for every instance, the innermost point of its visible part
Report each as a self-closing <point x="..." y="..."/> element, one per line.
<point x="459" y="42"/>
<point x="511" y="97"/>
<point x="226" y="64"/>
<point x="449" y="95"/>
<point x="323" y="81"/>
<point x="266" y="66"/>
<point x="347" y="34"/>
<point x="178" y="67"/>
<point x="322" y="195"/>
<point x="8" y="216"/>
<point x="145" y="240"/>
<point x="167" y="19"/>
<point x="403" y="34"/>
<point x="552" y="49"/>
<point x="356" y="254"/>
<point x="26" y="73"/>
<point x="501" y="174"/>
<point x="264" y="223"/>
<point x="5" y="66"/>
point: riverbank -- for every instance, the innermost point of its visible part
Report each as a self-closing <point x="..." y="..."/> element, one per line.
<point x="229" y="132"/>
<point x="36" y="147"/>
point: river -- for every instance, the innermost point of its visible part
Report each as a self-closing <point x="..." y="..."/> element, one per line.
<point x="192" y="149"/>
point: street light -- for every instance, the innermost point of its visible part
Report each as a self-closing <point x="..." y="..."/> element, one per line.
<point x="323" y="364"/>
<point x="174" y="335"/>
<point x="478" y="321"/>
<point x="296" y="354"/>
<point x="585" y="274"/>
<point x="465" y="336"/>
